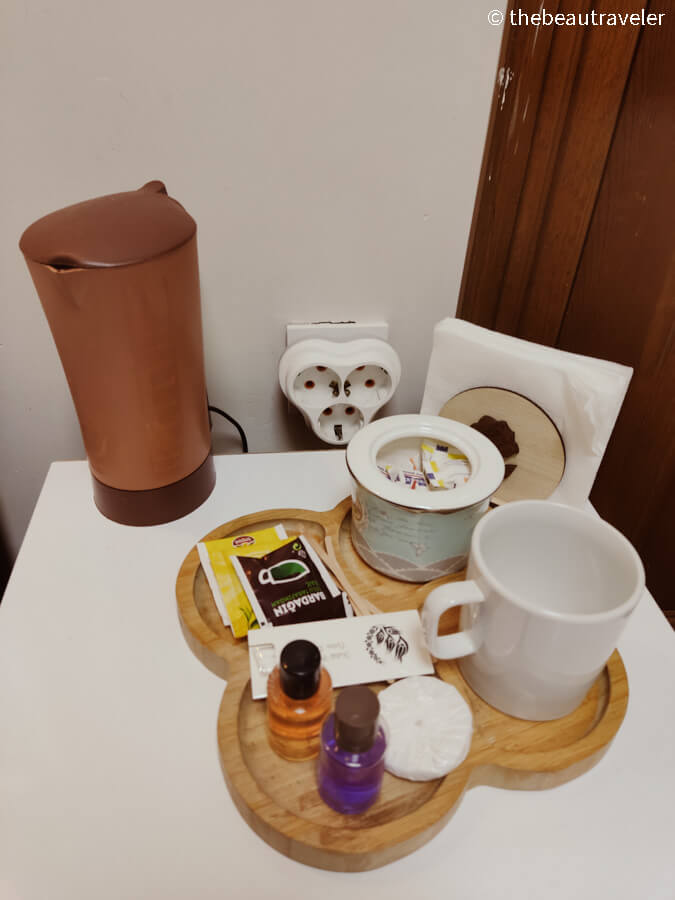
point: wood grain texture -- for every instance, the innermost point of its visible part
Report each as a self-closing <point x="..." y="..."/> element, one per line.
<point x="622" y="306"/>
<point x="545" y="154"/>
<point x="519" y="82"/>
<point x="549" y="121"/>
<point x="279" y="799"/>
<point x="540" y="461"/>
<point x="574" y="246"/>
<point x="599" y="82"/>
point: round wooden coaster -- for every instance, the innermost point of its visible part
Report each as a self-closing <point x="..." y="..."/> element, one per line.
<point x="540" y="462"/>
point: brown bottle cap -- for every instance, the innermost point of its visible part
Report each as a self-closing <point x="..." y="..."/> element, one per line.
<point x="356" y="712"/>
<point x="115" y="230"/>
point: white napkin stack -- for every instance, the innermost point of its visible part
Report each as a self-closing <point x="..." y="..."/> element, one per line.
<point x="581" y="395"/>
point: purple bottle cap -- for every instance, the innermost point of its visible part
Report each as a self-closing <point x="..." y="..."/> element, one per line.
<point x="356" y="712"/>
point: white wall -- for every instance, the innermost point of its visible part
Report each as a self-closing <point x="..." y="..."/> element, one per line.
<point x="328" y="149"/>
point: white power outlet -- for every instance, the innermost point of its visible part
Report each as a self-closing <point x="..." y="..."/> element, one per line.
<point x="335" y="331"/>
<point x="337" y="377"/>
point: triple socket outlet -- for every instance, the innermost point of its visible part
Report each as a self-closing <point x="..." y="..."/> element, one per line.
<point x="338" y="374"/>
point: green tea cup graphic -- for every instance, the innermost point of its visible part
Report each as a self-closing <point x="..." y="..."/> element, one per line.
<point x="280" y="573"/>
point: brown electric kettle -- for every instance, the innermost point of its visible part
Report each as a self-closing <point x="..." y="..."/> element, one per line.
<point x="118" y="280"/>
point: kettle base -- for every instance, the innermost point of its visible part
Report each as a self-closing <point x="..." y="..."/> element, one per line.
<point x="158" y="505"/>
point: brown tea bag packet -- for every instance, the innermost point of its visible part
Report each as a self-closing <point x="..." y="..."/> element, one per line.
<point x="289" y="585"/>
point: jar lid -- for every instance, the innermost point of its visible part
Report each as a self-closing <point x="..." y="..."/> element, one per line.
<point x="300" y="669"/>
<point x="114" y="230"/>
<point x="536" y="467"/>
<point x="356" y="713"/>
<point x="485" y="461"/>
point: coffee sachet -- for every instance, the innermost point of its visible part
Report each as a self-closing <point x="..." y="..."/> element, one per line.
<point x="291" y="584"/>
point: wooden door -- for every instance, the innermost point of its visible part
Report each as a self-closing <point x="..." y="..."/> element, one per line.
<point x="573" y="237"/>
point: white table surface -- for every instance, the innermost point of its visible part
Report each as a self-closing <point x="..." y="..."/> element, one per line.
<point x="110" y="784"/>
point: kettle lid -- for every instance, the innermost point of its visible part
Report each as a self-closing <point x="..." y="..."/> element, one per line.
<point x="114" y="230"/>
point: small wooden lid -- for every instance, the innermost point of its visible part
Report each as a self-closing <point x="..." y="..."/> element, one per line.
<point x="540" y="458"/>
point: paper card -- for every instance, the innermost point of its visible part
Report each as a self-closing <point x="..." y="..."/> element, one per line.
<point x="357" y="650"/>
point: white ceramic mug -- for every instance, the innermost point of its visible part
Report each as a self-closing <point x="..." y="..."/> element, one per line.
<point x="549" y="590"/>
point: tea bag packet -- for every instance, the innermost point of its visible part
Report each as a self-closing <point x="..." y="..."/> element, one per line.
<point x="289" y="585"/>
<point x="404" y="468"/>
<point x="444" y="466"/>
<point x="229" y="596"/>
<point x="435" y="465"/>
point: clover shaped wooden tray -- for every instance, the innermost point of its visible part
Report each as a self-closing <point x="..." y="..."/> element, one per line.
<point x="279" y="799"/>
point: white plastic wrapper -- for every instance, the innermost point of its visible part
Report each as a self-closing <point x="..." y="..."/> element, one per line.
<point x="429" y="727"/>
<point x="582" y="395"/>
<point x="444" y="467"/>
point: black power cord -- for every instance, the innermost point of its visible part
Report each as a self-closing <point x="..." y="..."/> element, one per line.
<point x="242" y="434"/>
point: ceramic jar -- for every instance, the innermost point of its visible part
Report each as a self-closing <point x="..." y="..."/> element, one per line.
<point x="417" y="534"/>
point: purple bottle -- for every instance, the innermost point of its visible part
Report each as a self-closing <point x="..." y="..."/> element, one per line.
<point x="351" y="758"/>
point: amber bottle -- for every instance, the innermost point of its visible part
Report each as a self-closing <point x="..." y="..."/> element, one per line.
<point x="299" y="696"/>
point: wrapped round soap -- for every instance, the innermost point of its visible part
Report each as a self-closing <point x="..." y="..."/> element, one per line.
<point x="429" y="727"/>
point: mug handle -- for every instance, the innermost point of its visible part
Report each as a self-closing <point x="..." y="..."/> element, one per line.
<point x="446" y="596"/>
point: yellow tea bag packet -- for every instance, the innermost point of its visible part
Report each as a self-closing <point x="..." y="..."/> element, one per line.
<point x="229" y="596"/>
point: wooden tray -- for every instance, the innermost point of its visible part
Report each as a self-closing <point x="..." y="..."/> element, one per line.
<point x="279" y="799"/>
